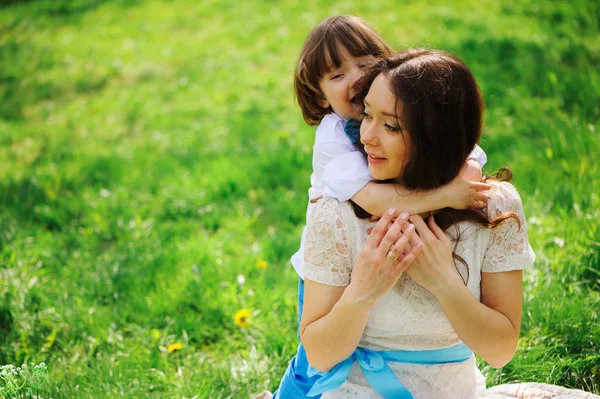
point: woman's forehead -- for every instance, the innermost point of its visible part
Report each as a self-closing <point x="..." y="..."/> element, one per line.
<point x="380" y="96"/>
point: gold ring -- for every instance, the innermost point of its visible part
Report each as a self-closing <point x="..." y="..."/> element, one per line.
<point x="392" y="256"/>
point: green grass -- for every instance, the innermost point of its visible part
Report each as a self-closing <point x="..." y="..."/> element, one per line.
<point x="152" y="152"/>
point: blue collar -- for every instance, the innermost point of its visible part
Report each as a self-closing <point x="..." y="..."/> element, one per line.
<point x="352" y="130"/>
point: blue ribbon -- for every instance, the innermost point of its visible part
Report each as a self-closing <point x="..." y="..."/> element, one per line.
<point x="378" y="373"/>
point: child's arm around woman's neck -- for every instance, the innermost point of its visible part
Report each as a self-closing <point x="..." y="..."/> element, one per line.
<point x="465" y="191"/>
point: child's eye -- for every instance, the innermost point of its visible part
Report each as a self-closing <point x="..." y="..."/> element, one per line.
<point x="336" y="76"/>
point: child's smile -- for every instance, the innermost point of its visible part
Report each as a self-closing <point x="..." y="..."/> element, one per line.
<point x="337" y="84"/>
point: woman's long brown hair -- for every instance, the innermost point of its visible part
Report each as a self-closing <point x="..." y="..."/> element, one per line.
<point x="442" y="112"/>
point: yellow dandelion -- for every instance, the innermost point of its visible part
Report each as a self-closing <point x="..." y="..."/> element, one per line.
<point x="261" y="264"/>
<point x="174" y="347"/>
<point x="242" y="318"/>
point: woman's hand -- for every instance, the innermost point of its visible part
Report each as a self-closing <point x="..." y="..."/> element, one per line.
<point x="490" y="327"/>
<point x="434" y="267"/>
<point x="383" y="258"/>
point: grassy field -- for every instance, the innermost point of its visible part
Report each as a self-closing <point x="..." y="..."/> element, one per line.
<point x="154" y="169"/>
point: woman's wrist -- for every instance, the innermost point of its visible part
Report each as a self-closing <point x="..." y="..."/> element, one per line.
<point x="358" y="297"/>
<point x="448" y="286"/>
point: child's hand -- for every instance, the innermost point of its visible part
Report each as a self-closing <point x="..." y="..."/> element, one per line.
<point x="467" y="190"/>
<point x="471" y="171"/>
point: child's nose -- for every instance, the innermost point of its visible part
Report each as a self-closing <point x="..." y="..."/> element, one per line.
<point x="356" y="74"/>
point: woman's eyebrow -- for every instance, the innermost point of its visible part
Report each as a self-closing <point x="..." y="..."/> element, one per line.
<point x="384" y="113"/>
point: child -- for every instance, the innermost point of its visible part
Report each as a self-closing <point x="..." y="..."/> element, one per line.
<point x="333" y="58"/>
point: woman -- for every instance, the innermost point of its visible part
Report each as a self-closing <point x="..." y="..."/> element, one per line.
<point x="398" y="313"/>
<point x="412" y="288"/>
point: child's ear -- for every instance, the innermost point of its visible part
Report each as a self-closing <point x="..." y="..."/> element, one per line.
<point x="323" y="102"/>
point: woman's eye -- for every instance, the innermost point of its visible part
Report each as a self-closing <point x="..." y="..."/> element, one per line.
<point x="366" y="116"/>
<point x="393" y="128"/>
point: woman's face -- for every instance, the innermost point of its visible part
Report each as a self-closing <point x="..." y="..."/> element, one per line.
<point x="386" y="141"/>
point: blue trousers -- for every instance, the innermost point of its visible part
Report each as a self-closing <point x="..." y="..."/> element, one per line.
<point x="295" y="383"/>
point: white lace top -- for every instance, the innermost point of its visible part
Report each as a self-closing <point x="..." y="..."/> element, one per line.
<point x="410" y="317"/>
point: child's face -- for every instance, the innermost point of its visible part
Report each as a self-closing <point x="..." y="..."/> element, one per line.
<point x="336" y="85"/>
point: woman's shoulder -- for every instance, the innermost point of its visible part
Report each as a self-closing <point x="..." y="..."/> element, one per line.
<point x="509" y="248"/>
<point x="327" y="208"/>
<point x="329" y="245"/>
<point x="331" y="216"/>
<point x="504" y="197"/>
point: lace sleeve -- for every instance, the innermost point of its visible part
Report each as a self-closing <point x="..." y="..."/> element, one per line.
<point x="327" y="251"/>
<point x="508" y="247"/>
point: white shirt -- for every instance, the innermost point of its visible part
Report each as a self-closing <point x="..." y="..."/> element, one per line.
<point x="340" y="170"/>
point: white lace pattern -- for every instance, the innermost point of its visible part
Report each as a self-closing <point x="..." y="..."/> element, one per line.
<point x="409" y="317"/>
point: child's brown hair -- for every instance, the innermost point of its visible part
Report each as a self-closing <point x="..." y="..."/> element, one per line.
<point x="321" y="52"/>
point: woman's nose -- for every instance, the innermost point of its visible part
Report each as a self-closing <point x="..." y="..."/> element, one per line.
<point x="367" y="133"/>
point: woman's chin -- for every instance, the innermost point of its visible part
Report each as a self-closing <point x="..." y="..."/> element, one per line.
<point x="380" y="174"/>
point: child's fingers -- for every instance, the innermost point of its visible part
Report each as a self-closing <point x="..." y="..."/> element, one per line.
<point x="480" y="196"/>
<point x="393" y="233"/>
<point x="480" y="200"/>
<point x="478" y="205"/>
<point x="478" y="186"/>
<point x="380" y="229"/>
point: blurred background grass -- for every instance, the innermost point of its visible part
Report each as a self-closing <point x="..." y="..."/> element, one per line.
<point x="153" y="156"/>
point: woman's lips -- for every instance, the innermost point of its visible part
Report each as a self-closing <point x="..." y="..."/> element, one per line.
<point x="374" y="161"/>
